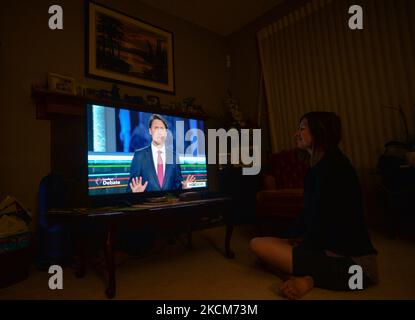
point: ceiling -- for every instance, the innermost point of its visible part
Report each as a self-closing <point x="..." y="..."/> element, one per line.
<point x="220" y="16"/>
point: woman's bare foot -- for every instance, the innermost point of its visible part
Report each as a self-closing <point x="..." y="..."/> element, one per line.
<point x="296" y="287"/>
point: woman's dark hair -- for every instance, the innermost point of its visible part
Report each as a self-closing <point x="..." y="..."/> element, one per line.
<point x="158" y="117"/>
<point x="325" y="128"/>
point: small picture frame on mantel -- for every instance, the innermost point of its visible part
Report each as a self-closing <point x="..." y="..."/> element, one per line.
<point x="61" y="84"/>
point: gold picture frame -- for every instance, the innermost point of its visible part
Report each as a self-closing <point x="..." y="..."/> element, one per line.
<point x="127" y="50"/>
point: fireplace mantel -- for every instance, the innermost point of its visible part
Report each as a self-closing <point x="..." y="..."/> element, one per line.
<point x="51" y="105"/>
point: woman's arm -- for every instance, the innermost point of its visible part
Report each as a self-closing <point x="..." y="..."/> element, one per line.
<point x="296" y="229"/>
<point x="332" y="210"/>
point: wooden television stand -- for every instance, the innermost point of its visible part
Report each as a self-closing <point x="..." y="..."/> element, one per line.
<point x="190" y="213"/>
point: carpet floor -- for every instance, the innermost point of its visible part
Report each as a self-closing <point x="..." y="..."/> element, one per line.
<point x="176" y="272"/>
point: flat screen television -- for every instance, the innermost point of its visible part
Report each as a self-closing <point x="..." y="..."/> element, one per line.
<point x="134" y="154"/>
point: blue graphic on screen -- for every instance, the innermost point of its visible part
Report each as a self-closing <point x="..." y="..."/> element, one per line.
<point x="119" y="149"/>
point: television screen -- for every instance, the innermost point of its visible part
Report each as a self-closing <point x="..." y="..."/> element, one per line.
<point x="132" y="151"/>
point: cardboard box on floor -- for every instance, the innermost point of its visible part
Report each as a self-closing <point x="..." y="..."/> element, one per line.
<point x="15" y="241"/>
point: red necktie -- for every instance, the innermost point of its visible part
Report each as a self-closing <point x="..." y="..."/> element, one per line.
<point x="160" y="174"/>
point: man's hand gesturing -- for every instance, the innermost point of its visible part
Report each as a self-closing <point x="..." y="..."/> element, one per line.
<point x="189" y="179"/>
<point x="137" y="186"/>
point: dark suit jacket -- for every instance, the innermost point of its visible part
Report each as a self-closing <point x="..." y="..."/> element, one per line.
<point x="143" y="165"/>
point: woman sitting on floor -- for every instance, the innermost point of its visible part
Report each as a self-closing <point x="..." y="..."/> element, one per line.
<point x="329" y="235"/>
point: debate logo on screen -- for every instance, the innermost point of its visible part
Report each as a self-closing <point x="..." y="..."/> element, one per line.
<point x="107" y="182"/>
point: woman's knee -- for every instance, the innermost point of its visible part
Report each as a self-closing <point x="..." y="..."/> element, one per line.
<point x="257" y="244"/>
<point x="254" y="243"/>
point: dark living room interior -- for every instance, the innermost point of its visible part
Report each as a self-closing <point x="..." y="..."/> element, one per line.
<point x="83" y="86"/>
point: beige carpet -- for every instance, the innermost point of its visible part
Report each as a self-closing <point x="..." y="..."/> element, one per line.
<point x="203" y="273"/>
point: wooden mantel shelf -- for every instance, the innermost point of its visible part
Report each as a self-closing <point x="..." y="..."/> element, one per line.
<point x="52" y="105"/>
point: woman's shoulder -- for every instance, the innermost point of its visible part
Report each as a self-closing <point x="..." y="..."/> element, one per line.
<point x="337" y="159"/>
<point x="335" y="164"/>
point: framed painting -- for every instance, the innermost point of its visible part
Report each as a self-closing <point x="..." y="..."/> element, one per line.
<point x="127" y="50"/>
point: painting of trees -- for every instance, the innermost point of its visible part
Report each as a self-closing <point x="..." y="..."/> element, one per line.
<point x="129" y="48"/>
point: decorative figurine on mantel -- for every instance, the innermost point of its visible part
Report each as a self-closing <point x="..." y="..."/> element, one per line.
<point x="174" y="106"/>
<point x="115" y="92"/>
<point x="189" y="107"/>
<point x="153" y="101"/>
<point x="133" y="99"/>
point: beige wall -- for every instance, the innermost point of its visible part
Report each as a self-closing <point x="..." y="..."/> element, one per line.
<point x="29" y="50"/>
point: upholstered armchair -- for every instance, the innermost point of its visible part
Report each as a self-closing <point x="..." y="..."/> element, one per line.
<point x="280" y="198"/>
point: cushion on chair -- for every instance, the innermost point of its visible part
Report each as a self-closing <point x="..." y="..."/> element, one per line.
<point x="288" y="169"/>
<point x="282" y="193"/>
<point x="283" y="203"/>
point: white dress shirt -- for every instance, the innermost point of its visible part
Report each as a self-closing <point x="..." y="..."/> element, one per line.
<point x="154" y="151"/>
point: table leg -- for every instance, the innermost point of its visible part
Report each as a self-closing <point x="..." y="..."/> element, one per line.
<point x="109" y="257"/>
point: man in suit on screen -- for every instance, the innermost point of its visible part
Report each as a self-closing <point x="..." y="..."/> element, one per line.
<point x="154" y="167"/>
